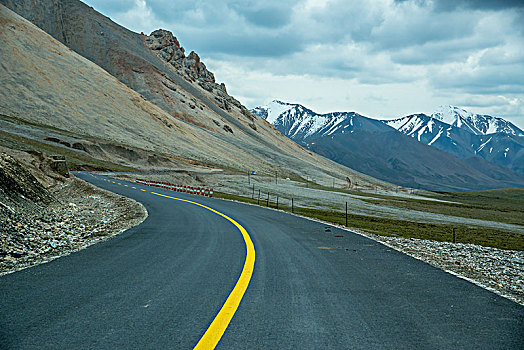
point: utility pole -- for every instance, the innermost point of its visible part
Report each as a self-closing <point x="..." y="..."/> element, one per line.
<point x="276" y="177"/>
<point x="248" y="178"/>
<point x="346" y="214"/>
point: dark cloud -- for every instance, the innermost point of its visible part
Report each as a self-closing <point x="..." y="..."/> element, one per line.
<point x="452" y="5"/>
<point x="268" y="17"/>
<point x="419" y="30"/>
<point x="261" y="45"/>
<point x="177" y="11"/>
<point x="269" y="14"/>
<point x="108" y="7"/>
<point x="483" y="80"/>
<point x="443" y="51"/>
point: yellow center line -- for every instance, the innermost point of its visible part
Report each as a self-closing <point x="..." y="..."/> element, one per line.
<point x="133" y="187"/>
<point x="219" y="325"/>
<point x="142" y="190"/>
<point x="125" y="185"/>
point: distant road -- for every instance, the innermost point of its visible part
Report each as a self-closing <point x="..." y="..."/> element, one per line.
<point x="162" y="283"/>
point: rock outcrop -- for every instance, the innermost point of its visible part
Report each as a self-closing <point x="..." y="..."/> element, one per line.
<point x="166" y="46"/>
<point x="18" y="184"/>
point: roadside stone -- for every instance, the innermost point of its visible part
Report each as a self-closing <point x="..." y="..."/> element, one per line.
<point x="70" y="223"/>
<point x="498" y="270"/>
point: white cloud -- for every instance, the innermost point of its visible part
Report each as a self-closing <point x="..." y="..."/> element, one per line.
<point x="137" y="16"/>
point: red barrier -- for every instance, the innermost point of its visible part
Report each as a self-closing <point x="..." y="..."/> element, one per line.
<point x="200" y="191"/>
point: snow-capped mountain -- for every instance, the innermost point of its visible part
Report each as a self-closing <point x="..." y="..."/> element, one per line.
<point x="475" y="123"/>
<point x="300" y="123"/>
<point x="465" y="134"/>
<point x="375" y="148"/>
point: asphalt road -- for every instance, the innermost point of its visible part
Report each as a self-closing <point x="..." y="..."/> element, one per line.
<point x="161" y="284"/>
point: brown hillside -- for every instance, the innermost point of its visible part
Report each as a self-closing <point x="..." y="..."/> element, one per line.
<point x="151" y="105"/>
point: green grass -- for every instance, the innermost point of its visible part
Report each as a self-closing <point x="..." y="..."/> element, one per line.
<point x="502" y="205"/>
<point x="401" y="228"/>
<point x="506" y="205"/>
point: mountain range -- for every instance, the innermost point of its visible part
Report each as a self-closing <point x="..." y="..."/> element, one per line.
<point x="465" y="134"/>
<point x="376" y="148"/>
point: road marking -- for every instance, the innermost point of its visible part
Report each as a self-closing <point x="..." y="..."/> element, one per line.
<point x="142" y="190"/>
<point x="125" y="185"/>
<point x="219" y="325"/>
<point x="133" y="187"/>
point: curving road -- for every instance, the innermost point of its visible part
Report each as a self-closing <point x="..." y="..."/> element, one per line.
<point x="161" y="284"/>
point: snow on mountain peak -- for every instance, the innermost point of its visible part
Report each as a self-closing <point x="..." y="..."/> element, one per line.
<point x="455" y="116"/>
<point x="275" y="108"/>
<point x="475" y="123"/>
<point x="296" y="120"/>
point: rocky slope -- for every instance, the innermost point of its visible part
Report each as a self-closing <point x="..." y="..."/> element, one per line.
<point x="148" y="97"/>
<point x="374" y="148"/>
<point x="19" y="188"/>
<point x="45" y="213"/>
<point x="463" y="134"/>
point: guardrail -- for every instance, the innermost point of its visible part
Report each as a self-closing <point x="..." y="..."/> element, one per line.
<point x="201" y="191"/>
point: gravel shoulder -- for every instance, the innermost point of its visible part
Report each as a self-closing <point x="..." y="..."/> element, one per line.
<point x="498" y="270"/>
<point x="82" y="215"/>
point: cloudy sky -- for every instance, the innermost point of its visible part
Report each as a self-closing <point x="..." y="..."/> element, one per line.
<point x="380" y="58"/>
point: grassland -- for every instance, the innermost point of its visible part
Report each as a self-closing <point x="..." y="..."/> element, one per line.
<point x="501" y="205"/>
<point x="504" y="205"/>
<point x="409" y="229"/>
